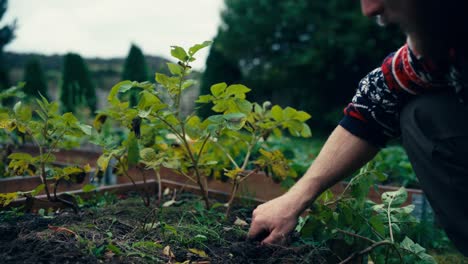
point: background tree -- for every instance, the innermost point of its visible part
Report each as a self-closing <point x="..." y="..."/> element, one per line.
<point x="6" y="36"/>
<point x="135" y="69"/>
<point x="308" y="54"/>
<point x="77" y="88"/>
<point x="35" y="80"/>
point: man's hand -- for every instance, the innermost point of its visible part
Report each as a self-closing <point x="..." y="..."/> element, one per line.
<point x="274" y="220"/>
<point x="342" y="154"/>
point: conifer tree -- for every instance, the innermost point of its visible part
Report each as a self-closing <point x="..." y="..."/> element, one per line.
<point x="135" y="69"/>
<point x="77" y="88"/>
<point x="6" y="36"/>
<point x="35" y="80"/>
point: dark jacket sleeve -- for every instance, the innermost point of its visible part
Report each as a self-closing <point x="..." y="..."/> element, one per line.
<point x="373" y="113"/>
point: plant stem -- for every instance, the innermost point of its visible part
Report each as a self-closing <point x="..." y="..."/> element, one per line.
<point x="235" y="186"/>
<point x="356" y="235"/>
<point x="158" y="179"/>
<point x="228" y="155"/>
<point x="197" y="174"/>
<point x="366" y="250"/>
<point x="202" y="147"/>
<point x="125" y="172"/>
<point x="146" y="197"/>
<point x="390" y="220"/>
<point x="249" y="152"/>
<point x="42" y="175"/>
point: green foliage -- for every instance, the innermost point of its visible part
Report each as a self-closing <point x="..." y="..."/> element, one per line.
<point x="377" y="230"/>
<point x="50" y="130"/>
<point x="230" y="74"/>
<point x="226" y="140"/>
<point x="310" y="54"/>
<point x="35" y="81"/>
<point x="135" y="69"/>
<point x="395" y="163"/>
<point x="77" y="89"/>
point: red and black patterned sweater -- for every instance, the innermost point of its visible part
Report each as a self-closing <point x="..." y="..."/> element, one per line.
<point x="373" y="113"/>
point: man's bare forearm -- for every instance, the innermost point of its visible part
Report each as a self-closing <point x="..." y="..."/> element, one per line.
<point x="342" y="154"/>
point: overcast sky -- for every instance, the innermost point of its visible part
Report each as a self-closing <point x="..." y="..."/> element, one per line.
<point x="106" y="28"/>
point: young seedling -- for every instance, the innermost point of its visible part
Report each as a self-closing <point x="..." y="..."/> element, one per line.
<point x="158" y="113"/>
<point x="48" y="130"/>
<point x="376" y="230"/>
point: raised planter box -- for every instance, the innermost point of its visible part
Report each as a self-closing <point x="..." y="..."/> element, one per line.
<point x="257" y="187"/>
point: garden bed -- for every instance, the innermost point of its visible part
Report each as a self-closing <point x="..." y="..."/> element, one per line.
<point x="124" y="231"/>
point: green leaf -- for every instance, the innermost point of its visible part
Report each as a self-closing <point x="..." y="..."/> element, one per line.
<point x="112" y="97"/>
<point x="193" y="127"/>
<point x="38" y="189"/>
<point x="23" y="112"/>
<point x="127" y="86"/>
<point x="103" y="161"/>
<point x="417" y="250"/>
<point x="87" y="129"/>
<point x="44" y="158"/>
<point x="305" y="132"/>
<point x="114" y="249"/>
<point x="188" y="83"/>
<point x="149" y="100"/>
<point x="175" y="69"/>
<point x="21" y="156"/>
<point x="162" y="79"/>
<point x="289" y="113"/>
<point x="235" y="121"/>
<point x="7" y="198"/>
<point x="243" y="106"/>
<point x="302" y="116"/>
<point x="220" y="106"/>
<point x="377" y="224"/>
<point x="395" y="198"/>
<point x="89" y="188"/>
<point x="197" y="47"/>
<point x="218" y="89"/>
<point x="69" y="118"/>
<point x="99" y="121"/>
<point x="238" y="90"/>
<point x="203" y="99"/>
<point x="277" y="113"/>
<point x="179" y="53"/>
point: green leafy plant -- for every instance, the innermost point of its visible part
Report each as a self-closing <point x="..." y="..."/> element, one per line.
<point x="49" y="130"/>
<point x="395" y="163"/>
<point x="156" y="114"/>
<point x="246" y="125"/>
<point x="368" y="229"/>
<point x="200" y="147"/>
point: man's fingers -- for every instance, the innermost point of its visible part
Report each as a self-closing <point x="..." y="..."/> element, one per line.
<point x="257" y="232"/>
<point x="275" y="238"/>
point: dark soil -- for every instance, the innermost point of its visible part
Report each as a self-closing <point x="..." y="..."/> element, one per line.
<point x="129" y="232"/>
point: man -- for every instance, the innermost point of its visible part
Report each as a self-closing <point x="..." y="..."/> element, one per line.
<point x="419" y="92"/>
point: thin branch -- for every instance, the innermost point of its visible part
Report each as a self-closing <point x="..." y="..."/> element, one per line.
<point x="125" y="172"/>
<point x="356" y="235"/>
<point x="249" y="152"/>
<point x="202" y="147"/>
<point x="366" y="250"/>
<point x="187" y="176"/>
<point x="248" y="175"/>
<point x="228" y="155"/>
